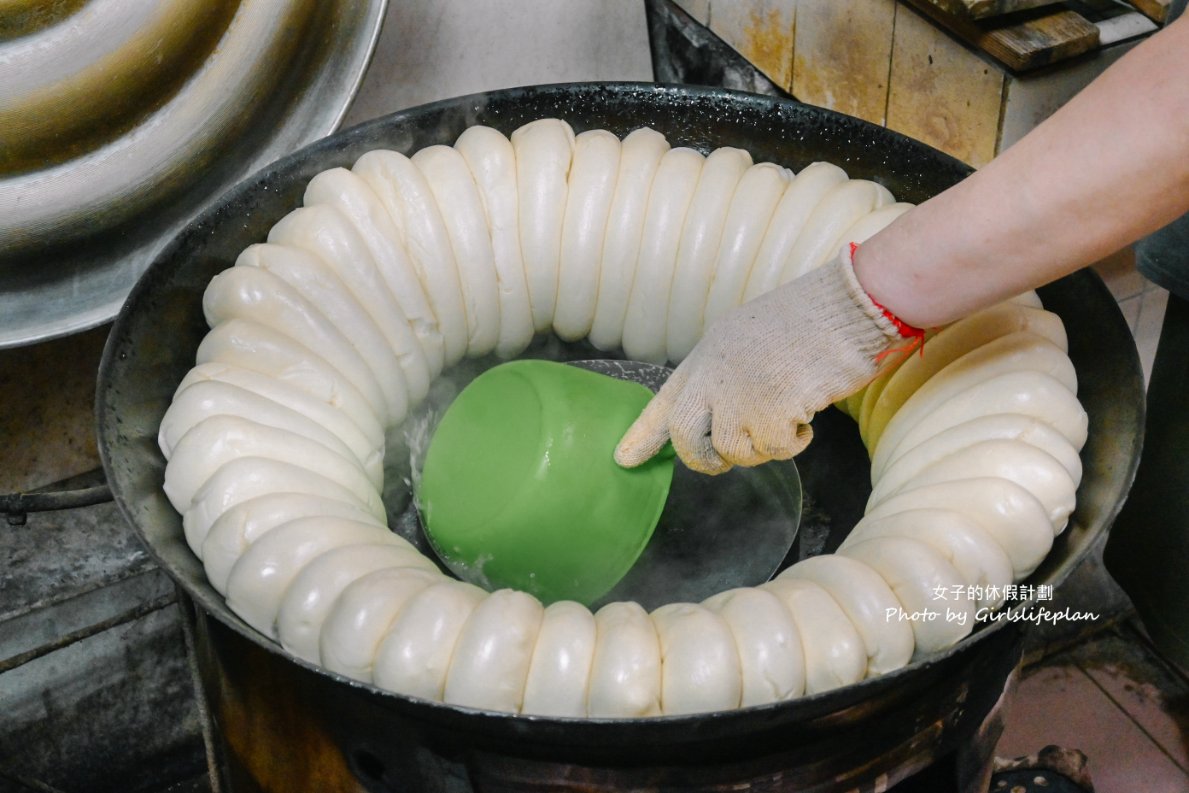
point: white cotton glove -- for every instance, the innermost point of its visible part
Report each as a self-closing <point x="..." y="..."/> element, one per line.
<point x="748" y="390"/>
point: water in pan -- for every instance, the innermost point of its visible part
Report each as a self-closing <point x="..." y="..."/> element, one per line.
<point x="715" y="533"/>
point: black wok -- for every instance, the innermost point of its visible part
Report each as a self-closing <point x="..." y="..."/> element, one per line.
<point x="384" y="740"/>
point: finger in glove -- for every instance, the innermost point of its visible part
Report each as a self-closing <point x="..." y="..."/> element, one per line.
<point x="691" y="431"/>
<point x="785" y="444"/>
<point x="650" y="432"/>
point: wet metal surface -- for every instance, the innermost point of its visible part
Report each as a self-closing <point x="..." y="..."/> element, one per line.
<point x="731" y="530"/>
<point x="715" y="533"/>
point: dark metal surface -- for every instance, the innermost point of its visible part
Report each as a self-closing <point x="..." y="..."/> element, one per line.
<point x="1147" y="552"/>
<point x="686" y="51"/>
<point x="283" y="727"/>
<point x="94" y="693"/>
<point x="127" y="724"/>
<point x="17" y="506"/>
<point x="153" y="342"/>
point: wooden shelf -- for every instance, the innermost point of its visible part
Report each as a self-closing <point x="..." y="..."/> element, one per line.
<point x="942" y="78"/>
<point x="982" y="9"/>
<point x="1026" y="34"/>
<point x="986" y="9"/>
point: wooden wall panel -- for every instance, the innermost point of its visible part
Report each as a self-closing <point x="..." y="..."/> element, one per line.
<point x="1029" y="100"/>
<point x="943" y="93"/>
<point x="884" y="61"/>
<point x="842" y="53"/>
<point x="762" y="31"/>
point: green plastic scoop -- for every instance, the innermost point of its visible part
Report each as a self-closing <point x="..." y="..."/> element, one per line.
<point x="520" y="489"/>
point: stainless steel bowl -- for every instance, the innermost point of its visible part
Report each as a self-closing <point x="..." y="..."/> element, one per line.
<point x="121" y="120"/>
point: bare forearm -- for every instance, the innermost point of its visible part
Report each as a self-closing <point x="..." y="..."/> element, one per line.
<point x="1109" y="167"/>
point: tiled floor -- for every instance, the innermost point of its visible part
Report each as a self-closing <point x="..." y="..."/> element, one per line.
<point x="1113" y="698"/>
<point x="1111" y="695"/>
<point x="1140" y="300"/>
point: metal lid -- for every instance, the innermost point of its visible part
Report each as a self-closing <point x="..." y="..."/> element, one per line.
<point x="120" y="120"/>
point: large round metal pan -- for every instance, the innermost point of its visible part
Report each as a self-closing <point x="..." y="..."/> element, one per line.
<point x="153" y="342"/>
<point x="121" y="121"/>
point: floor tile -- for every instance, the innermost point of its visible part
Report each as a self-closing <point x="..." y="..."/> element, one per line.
<point x="1062" y="705"/>
<point x="1119" y="273"/>
<point x="1145" y="705"/>
<point x="1147" y="328"/>
<point x="1130" y="307"/>
<point x="1152" y="693"/>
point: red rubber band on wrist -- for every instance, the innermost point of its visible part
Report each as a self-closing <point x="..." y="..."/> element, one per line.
<point x="905" y="330"/>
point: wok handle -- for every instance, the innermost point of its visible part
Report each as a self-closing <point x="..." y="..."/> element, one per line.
<point x="17" y="506"/>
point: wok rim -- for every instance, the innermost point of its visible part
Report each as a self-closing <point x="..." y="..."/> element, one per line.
<point x="540" y="727"/>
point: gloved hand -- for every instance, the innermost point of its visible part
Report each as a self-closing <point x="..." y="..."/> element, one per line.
<point x="747" y="391"/>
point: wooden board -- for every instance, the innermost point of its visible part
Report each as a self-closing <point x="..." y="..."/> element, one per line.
<point x="1043" y="40"/>
<point x="986" y="9"/>
<point x="981" y="9"/>
<point x="1024" y="43"/>
<point x="1153" y="9"/>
